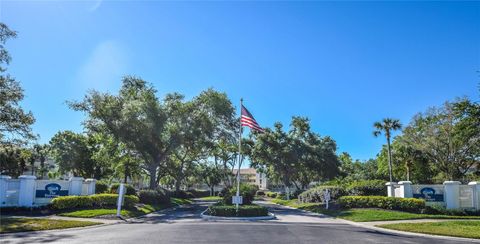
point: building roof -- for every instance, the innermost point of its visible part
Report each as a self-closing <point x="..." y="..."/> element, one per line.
<point x="246" y="171"/>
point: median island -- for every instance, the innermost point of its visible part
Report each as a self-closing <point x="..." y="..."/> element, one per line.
<point x="225" y="208"/>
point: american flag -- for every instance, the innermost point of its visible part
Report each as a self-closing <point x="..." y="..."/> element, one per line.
<point x="248" y="120"/>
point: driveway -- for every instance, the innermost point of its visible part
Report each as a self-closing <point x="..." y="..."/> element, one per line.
<point x="184" y="225"/>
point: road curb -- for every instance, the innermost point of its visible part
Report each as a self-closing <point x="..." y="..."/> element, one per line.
<point x="359" y="224"/>
<point x="211" y="217"/>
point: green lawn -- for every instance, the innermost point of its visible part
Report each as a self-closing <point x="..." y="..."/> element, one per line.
<point x="364" y="215"/>
<point x="211" y="198"/>
<point x="469" y="229"/>
<point x="32" y="224"/>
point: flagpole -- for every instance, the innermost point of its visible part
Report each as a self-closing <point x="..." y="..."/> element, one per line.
<point x="239" y="152"/>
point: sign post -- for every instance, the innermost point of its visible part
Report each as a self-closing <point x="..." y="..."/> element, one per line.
<point x="326" y="195"/>
<point x="121" y="190"/>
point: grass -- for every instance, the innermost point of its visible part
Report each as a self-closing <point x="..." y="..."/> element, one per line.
<point x="468" y="229"/>
<point x="211" y="198"/>
<point x="8" y="225"/>
<point x="365" y="214"/>
<point x="139" y="210"/>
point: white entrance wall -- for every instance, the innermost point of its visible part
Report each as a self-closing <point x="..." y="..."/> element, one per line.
<point x="451" y="194"/>
<point x="27" y="191"/>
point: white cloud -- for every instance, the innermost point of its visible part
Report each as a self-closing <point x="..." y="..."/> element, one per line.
<point x="104" y="67"/>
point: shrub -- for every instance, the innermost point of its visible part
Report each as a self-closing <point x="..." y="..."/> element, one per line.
<point x="316" y="194"/>
<point x="243" y="211"/>
<point x="101" y="187"/>
<point x="130" y="189"/>
<point x="153" y="197"/>
<point x="367" y="188"/>
<point x="439" y="209"/>
<point x="181" y="194"/>
<point x="391" y="203"/>
<point x="271" y="194"/>
<point x="199" y="194"/>
<point x="97" y="200"/>
<point x="247" y="191"/>
<point x="68" y="202"/>
<point x="260" y="193"/>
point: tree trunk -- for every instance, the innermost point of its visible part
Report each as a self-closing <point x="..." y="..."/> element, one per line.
<point x="212" y="192"/>
<point x="177" y="186"/>
<point x="389" y="159"/>
<point x="408" y="171"/>
<point x="152" y="171"/>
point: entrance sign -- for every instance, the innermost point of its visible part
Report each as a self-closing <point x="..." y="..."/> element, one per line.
<point x="326" y="196"/>
<point x="51" y="190"/>
<point x="429" y="193"/>
<point x="237" y="200"/>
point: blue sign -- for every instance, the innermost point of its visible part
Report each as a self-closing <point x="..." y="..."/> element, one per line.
<point x="51" y="190"/>
<point x="429" y="194"/>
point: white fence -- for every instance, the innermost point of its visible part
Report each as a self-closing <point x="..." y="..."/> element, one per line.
<point x="27" y="191"/>
<point x="451" y="194"/>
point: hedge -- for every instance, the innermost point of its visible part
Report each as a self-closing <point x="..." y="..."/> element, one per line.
<point x="316" y="194"/>
<point x="271" y="194"/>
<point x="231" y="211"/>
<point x="153" y="197"/>
<point x="97" y="200"/>
<point x="367" y="188"/>
<point x="391" y="203"/>
<point x="247" y="192"/>
<point x="130" y="189"/>
<point x="101" y="187"/>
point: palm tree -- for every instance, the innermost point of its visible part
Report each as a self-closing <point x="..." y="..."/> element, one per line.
<point x="387" y="126"/>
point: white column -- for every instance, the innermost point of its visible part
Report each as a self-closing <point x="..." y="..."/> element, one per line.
<point x="390" y="189"/>
<point x="91" y="186"/>
<point x="476" y="194"/>
<point x="452" y="194"/>
<point x="405" y="189"/>
<point x="26" y="194"/>
<point x="3" y="189"/>
<point x="75" y="188"/>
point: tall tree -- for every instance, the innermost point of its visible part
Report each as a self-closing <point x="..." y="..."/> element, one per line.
<point x="136" y="118"/>
<point x="449" y="136"/>
<point x="14" y="121"/>
<point x="387" y="126"/>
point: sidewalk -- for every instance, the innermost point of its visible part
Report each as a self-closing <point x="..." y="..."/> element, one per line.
<point x="375" y="223"/>
<point x="98" y="220"/>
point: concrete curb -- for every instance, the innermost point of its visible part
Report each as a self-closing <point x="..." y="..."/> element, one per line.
<point x="210" y="217"/>
<point x="360" y="224"/>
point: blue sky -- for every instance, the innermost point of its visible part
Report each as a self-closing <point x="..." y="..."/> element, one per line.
<point x="342" y="64"/>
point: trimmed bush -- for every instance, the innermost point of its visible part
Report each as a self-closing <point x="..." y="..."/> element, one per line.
<point x="130" y="189"/>
<point x="101" y="187"/>
<point x="243" y="211"/>
<point x="367" y="188"/>
<point x="97" y="200"/>
<point x="247" y="191"/>
<point x="391" y="203"/>
<point x="181" y="194"/>
<point x="69" y="202"/>
<point x="260" y="193"/>
<point x="316" y="194"/>
<point x="199" y="194"/>
<point x="271" y="194"/>
<point x="153" y="197"/>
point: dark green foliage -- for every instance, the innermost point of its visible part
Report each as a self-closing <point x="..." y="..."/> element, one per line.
<point x="182" y="194"/>
<point x="367" y="188"/>
<point x="260" y="193"/>
<point x="129" y="188"/>
<point x="271" y="194"/>
<point x="199" y="194"/>
<point x="438" y="209"/>
<point x="316" y="194"/>
<point x="247" y="191"/>
<point x="97" y="200"/>
<point x="391" y="203"/>
<point x="101" y="187"/>
<point x="153" y="197"/>
<point x="243" y="211"/>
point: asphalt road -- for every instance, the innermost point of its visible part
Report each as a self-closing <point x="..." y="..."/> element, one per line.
<point x="183" y="225"/>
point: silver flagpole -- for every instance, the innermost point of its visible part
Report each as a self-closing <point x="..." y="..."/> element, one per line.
<point x="239" y="153"/>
